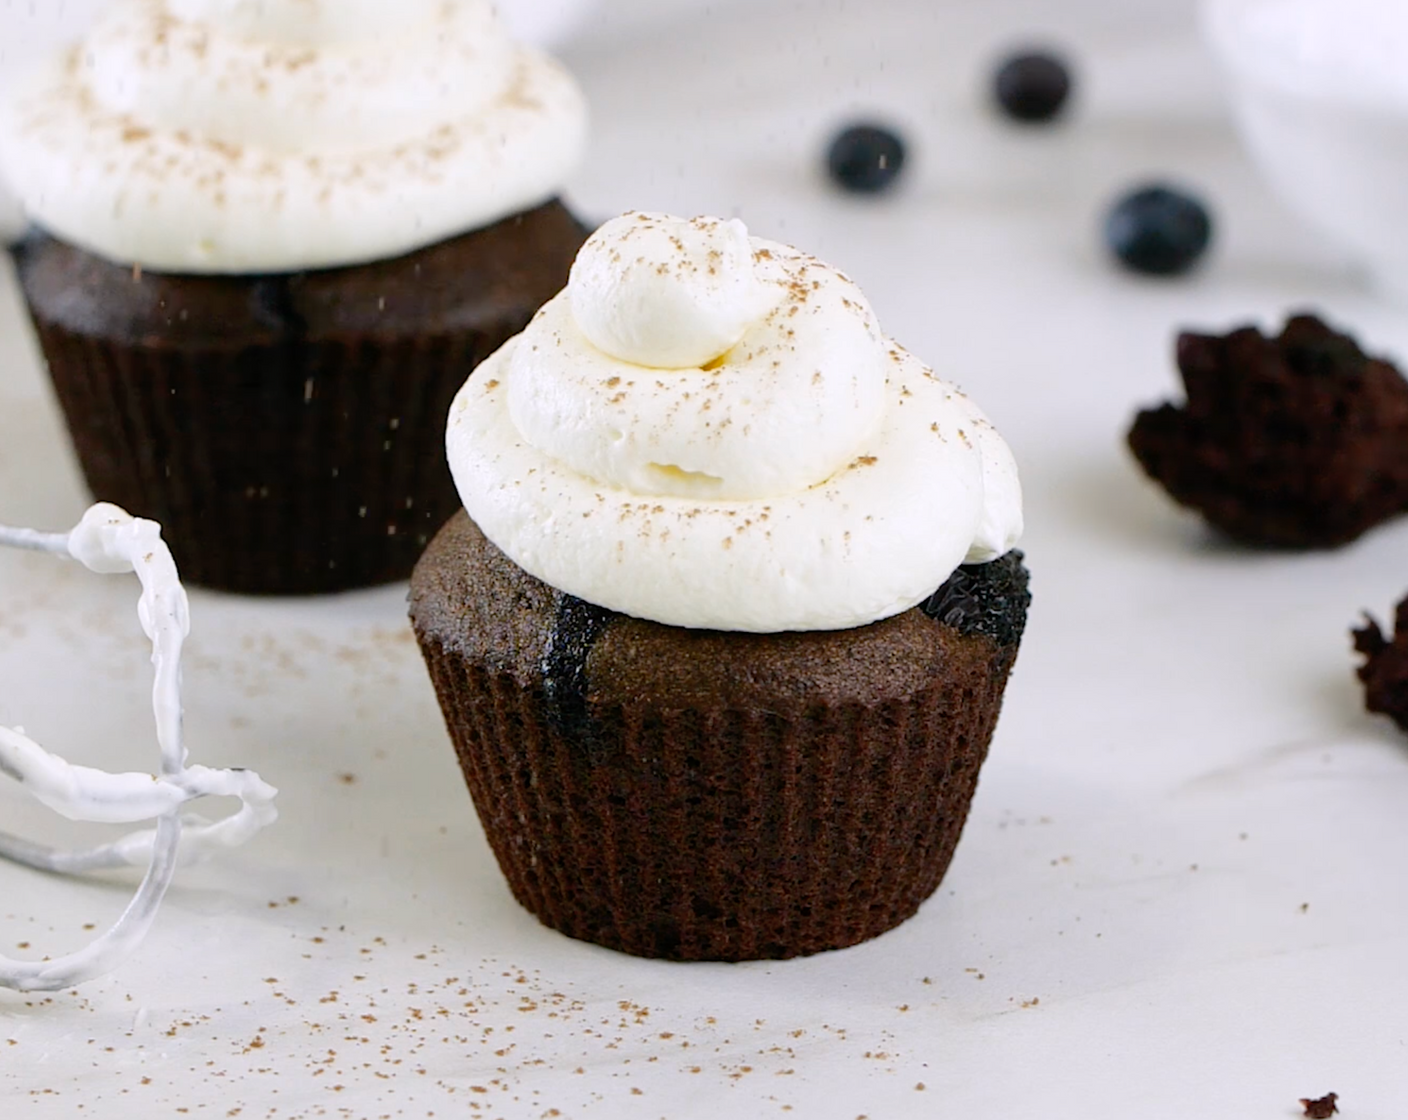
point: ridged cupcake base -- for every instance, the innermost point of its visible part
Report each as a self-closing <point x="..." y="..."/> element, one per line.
<point x="720" y="833"/>
<point x="285" y="469"/>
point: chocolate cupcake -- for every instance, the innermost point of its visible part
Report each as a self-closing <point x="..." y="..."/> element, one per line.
<point x="723" y="633"/>
<point x="269" y="241"/>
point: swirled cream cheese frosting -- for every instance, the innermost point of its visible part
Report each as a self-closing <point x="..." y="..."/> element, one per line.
<point x="709" y="430"/>
<point x="252" y="136"/>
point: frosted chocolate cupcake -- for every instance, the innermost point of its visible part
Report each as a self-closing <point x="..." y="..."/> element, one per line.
<point x="723" y="633"/>
<point x="270" y="240"/>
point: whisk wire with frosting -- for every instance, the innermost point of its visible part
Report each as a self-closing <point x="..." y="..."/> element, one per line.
<point x="109" y="540"/>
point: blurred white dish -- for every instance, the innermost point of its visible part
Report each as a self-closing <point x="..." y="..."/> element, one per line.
<point x="544" y="23"/>
<point x="1320" y="94"/>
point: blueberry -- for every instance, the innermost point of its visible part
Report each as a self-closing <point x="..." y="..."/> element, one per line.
<point x="1032" y="87"/>
<point x="865" y="158"/>
<point x="1158" y="231"/>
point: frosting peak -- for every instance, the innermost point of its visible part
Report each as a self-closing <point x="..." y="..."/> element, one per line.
<point x="667" y="293"/>
<point x="682" y="361"/>
<point x="254" y="136"/>
<point x="796" y="470"/>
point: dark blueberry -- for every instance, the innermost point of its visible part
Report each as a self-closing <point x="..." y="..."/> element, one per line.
<point x="272" y="302"/>
<point x="989" y="599"/>
<point x="1158" y="231"/>
<point x="1032" y="87"/>
<point x="576" y="628"/>
<point x="865" y="158"/>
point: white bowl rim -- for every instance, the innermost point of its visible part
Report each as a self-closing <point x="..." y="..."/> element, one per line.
<point x="1247" y="60"/>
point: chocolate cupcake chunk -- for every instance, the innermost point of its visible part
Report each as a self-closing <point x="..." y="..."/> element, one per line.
<point x="257" y="298"/>
<point x="1297" y="441"/>
<point x="706" y="710"/>
<point x="1385" y="669"/>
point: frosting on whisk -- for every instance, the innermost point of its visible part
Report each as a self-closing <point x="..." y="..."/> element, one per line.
<point x="109" y="540"/>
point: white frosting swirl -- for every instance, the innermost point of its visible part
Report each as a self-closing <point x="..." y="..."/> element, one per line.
<point x="811" y="476"/>
<point x="241" y="135"/>
<point x="684" y="314"/>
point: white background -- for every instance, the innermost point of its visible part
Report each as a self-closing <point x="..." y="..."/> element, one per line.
<point x="1182" y="889"/>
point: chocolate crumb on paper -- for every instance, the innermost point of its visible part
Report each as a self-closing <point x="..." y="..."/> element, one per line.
<point x="1320" y="1108"/>
<point x="1385" y="668"/>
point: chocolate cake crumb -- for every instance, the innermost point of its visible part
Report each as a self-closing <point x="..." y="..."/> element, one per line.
<point x="1297" y="441"/>
<point x="990" y="599"/>
<point x="1320" y="1108"/>
<point x="1385" y="668"/>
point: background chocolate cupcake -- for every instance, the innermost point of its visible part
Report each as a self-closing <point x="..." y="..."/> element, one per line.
<point x="270" y="241"/>
<point x="723" y="634"/>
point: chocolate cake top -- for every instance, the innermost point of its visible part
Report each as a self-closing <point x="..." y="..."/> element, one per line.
<point x="468" y="283"/>
<point x="482" y="605"/>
